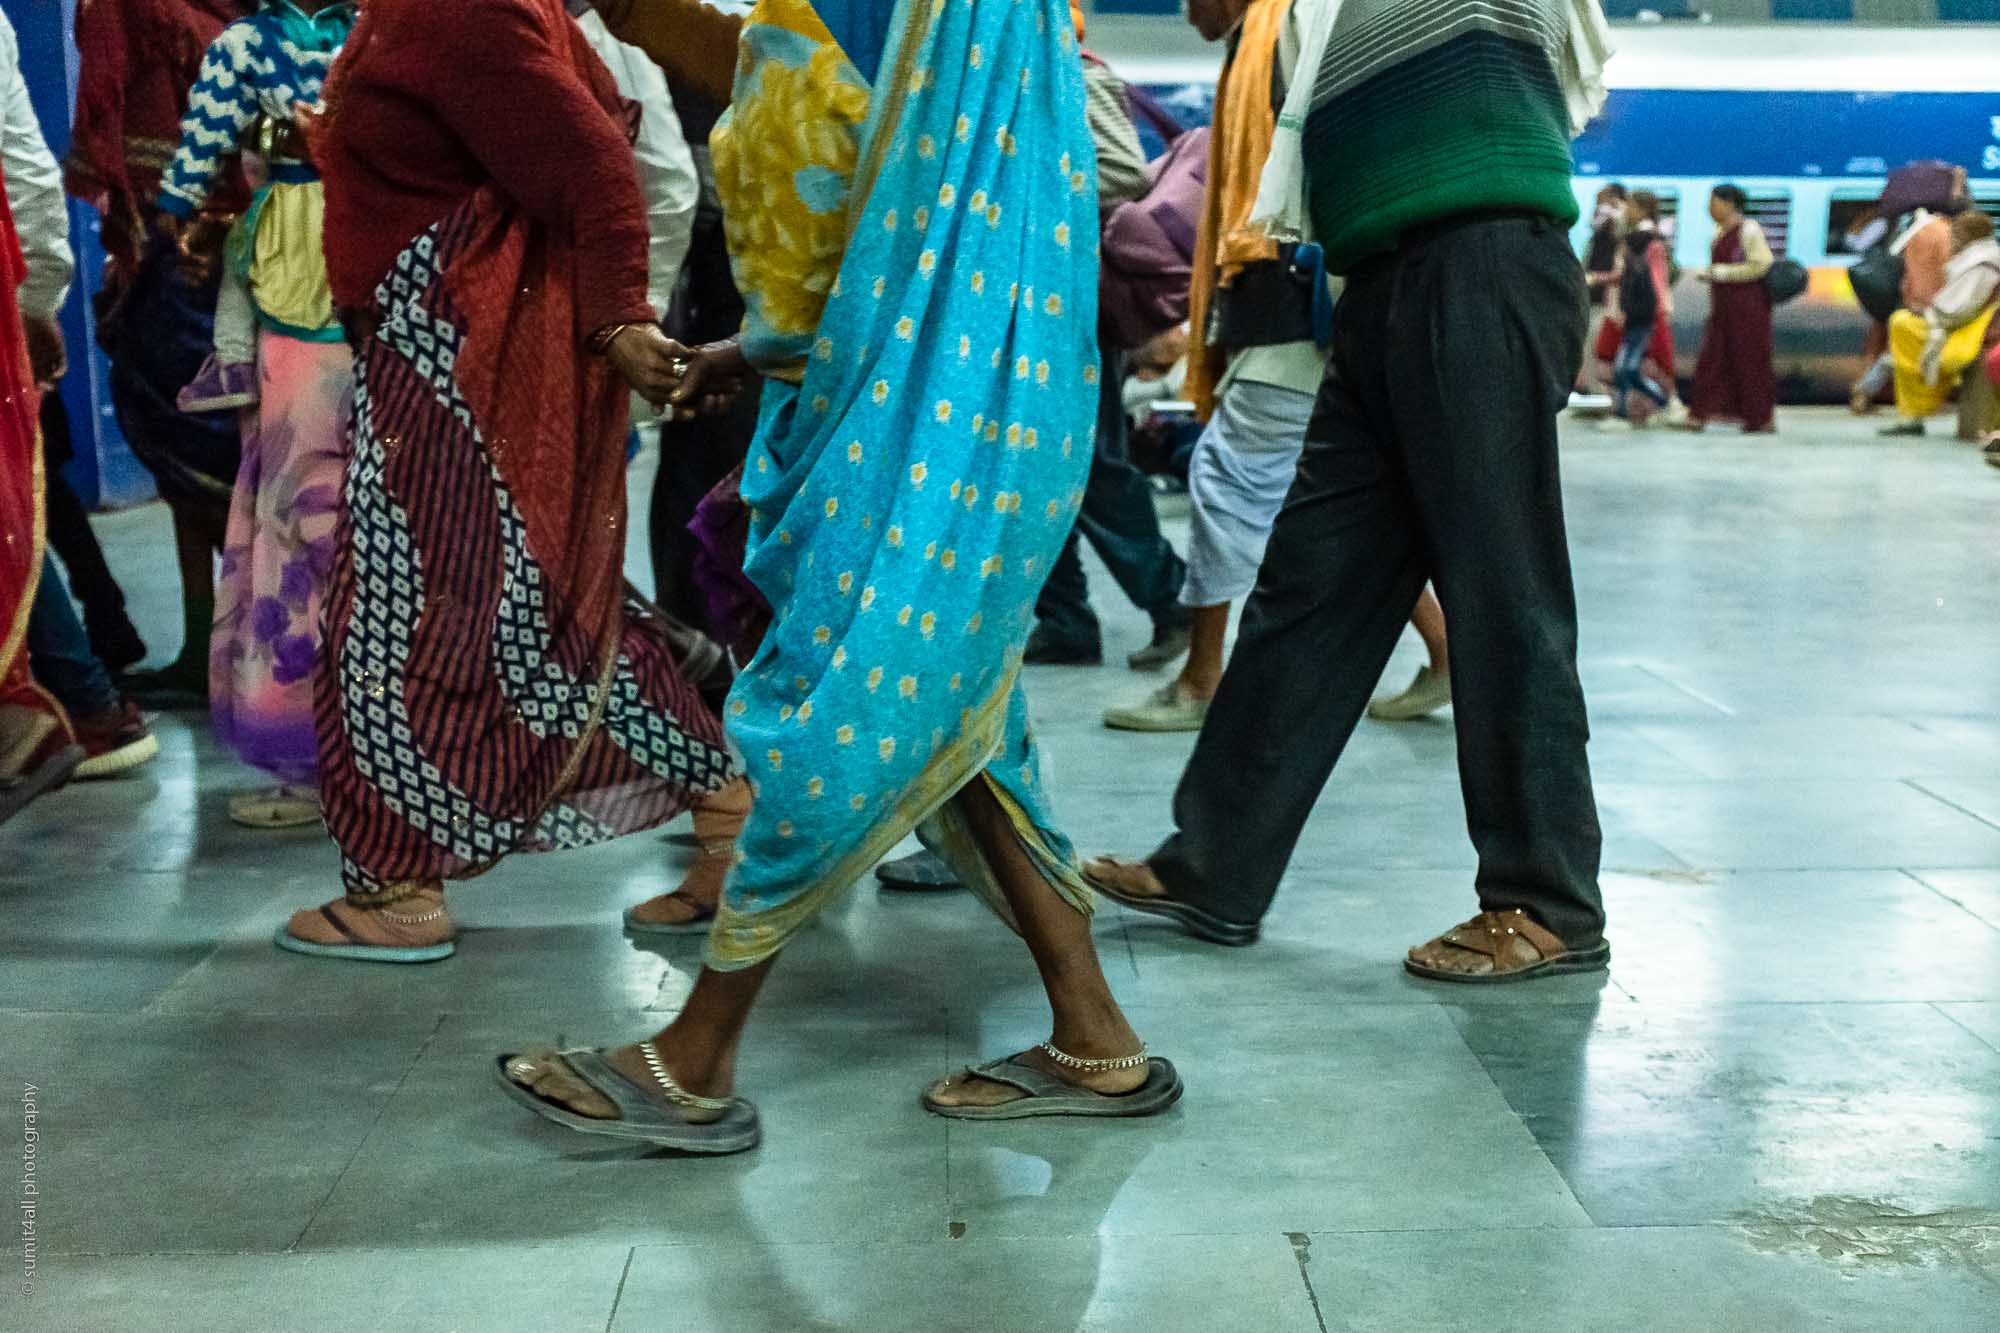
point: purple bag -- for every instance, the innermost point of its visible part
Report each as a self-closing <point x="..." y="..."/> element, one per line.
<point x="1148" y="248"/>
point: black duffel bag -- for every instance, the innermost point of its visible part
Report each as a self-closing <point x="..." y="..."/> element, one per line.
<point x="1787" y="278"/>
<point x="1877" y="279"/>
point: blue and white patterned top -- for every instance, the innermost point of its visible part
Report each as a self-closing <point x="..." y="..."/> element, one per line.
<point x="271" y="62"/>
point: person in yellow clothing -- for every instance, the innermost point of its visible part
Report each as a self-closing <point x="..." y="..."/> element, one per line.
<point x="1933" y="350"/>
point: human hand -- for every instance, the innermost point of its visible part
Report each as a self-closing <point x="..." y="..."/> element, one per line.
<point x="710" y="377"/>
<point x="645" y="359"/>
<point x="48" y="357"/>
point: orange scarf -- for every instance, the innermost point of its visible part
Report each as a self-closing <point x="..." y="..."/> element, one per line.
<point x="1245" y="124"/>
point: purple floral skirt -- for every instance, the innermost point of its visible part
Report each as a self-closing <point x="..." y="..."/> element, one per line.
<point x="279" y="556"/>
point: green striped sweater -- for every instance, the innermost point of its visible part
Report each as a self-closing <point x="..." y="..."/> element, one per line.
<point x="1426" y="108"/>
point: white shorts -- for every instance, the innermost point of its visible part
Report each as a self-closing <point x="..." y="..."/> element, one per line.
<point x="1238" y="477"/>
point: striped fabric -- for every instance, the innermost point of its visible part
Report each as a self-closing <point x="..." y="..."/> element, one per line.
<point x="266" y="64"/>
<point x="1426" y="108"/>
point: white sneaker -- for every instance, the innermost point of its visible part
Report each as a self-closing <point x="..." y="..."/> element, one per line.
<point x="1615" y="426"/>
<point x="1675" y="416"/>
<point x="1428" y="693"/>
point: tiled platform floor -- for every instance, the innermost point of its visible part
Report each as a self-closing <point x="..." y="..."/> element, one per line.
<point x="1780" y="1111"/>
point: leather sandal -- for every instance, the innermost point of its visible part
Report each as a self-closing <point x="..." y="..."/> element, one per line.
<point x="1514" y="947"/>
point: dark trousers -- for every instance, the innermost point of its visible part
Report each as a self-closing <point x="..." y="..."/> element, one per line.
<point x="1431" y="456"/>
<point x="1120" y="521"/>
<point x="59" y="652"/>
<point x="71" y="537"/>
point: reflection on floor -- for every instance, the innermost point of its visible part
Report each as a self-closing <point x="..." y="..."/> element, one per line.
<point x="1781" y="1110"/>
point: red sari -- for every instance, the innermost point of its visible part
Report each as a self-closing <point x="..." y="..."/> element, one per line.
<point x="1735" y="379"/>
<point x="20" y="478"/>
<point x="489" y="685"/>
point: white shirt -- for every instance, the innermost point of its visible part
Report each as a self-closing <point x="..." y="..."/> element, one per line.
<point x="34" y="189"/>
<point x="666" y="168"/>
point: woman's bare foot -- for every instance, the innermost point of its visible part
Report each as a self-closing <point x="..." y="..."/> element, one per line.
<point x="416" y="921"/>
<point x="694" y="901"/>
<point x="718" y="820"/>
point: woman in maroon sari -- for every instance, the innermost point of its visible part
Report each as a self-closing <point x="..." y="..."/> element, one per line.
<point x="1734" y="379"/>
<point x="489" y="685"/>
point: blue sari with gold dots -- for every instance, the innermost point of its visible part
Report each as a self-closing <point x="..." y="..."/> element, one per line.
<point x="928" y="322"/>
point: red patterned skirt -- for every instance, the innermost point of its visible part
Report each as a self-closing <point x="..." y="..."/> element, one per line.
<point x="466" y="707"/>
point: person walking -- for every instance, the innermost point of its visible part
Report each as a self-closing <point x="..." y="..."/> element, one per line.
<point x="489" y="684"/>
<point x="279" y="351"/>
<point x="927" y="328"/>
<point x="1735" y="378"/>
<point x="137" y="60"/>
<point x="38" y="744"/>
<point x="1433" y="146"/>
<point x="1645" y="302"/>
<point x="1119" y="517"/>
<point x="1933" y="350"/>
<point x="1254" y="359"/>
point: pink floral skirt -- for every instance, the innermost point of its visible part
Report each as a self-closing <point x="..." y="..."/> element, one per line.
<point x="279" y="556"/>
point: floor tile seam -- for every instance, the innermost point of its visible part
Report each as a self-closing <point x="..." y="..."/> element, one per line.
<point x="1916" y="785"/>
<point x="1521" y="1120"/>
<point x="361" y="1143"/>
<point x="1917" y="876"/>
<point x="1694" y="694"/>
<point x="618" y="1296"/>
<point x="1954" y="1019"/>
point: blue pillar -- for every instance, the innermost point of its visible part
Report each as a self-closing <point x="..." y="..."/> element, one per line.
<point x="103" y="471"/>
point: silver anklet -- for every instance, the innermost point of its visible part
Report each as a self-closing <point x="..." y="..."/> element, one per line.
<point x="435" y="914"/>
<point x="676" y="1094"/>
<point x="1068" y="1061"/>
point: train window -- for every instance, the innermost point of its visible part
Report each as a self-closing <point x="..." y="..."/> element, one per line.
<point x="1773" y="211"/>
<point x="1843" y="213"/>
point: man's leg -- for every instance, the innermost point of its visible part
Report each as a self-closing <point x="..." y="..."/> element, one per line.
<point x="60" y="652"/>
<point x="1119" y="516"/>
<point x="1503" y="305"/>
<point x="1067" y="632"/>
<point x="1338" y="580"/>
<point x="112" y="635"/>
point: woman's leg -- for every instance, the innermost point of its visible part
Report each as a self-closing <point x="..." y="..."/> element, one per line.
<point x="1088" y="1023"/>
<point x="699" y="1047"/>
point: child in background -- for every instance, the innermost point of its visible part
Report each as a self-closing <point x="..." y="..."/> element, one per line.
<point x="266" y="71"/>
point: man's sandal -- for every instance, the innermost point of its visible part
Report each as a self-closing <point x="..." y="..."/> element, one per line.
<point x="1514" y="947"/>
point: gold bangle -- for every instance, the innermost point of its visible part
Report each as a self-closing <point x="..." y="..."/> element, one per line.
<point x="600" y="341"/>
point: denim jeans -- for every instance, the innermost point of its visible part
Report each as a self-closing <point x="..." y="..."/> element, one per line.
<point x="1121" y="523"/>
<point x="1626" y="374"/>
<point x="59" y="651"/>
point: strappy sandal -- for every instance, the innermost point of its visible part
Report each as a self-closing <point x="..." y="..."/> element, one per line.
<point x="1499" y="937"/>
<point x="642" y="1115"/>
<point x="1043" y="1094"/>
